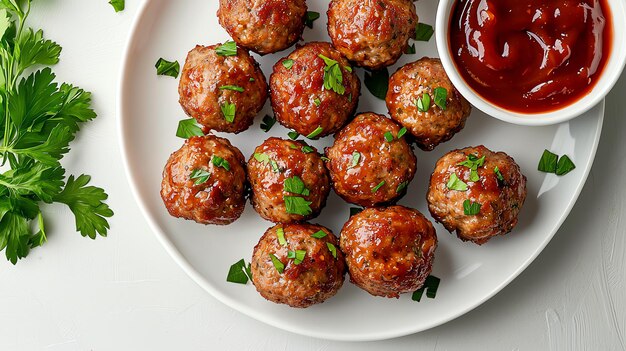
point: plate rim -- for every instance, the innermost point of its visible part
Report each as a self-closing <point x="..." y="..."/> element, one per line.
<point x="181" y="261"/>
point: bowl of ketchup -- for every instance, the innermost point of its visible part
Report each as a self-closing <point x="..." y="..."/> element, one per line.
<point x="532" y="62"/>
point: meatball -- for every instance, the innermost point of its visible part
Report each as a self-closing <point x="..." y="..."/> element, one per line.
<point x="389" y="251"/>
<point x="263" y="26"/>
<point x="289" y="181"/>
<point x="370" y="162"/>
<point x="298" y="265"/>
<point x="205" y="181"/>
<point x="372" y="34"/>
<point x="422" y="98"/>
<point x="477" y="193"/>
<point x="314" y="90"/>
<point x="223" y="93"/>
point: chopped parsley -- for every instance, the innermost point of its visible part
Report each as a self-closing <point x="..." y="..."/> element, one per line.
<point x="410" y="50"/>
<point x="280" y="234"/>
<point x="295" y="185"/>
<point x="267" y="123"/>
<point x="377" y="82"/>
<point x="431" y="285"/>
<point x="333" y="78"/>
<point x="220" y="162"/>
<point x="319" y="234"/>
<point x="167" y="68"/>
<point x="293" y="135"/>
<point x="199" y="176"/>
<point x="307" y="149"/>
<point x="401" y="133"/>
<point x="548" y="162"/>
<point x="564" y="166"/>
<point x="356" y="156"/>
<point x="332" y="249"/>
<point x="228" y="110"/>
<point x="423" y="103"/>
<point x="496" y="170"/>
<point x="317" y="102"/>
<point x="377" y="187"/>
<point x="423" y="32"/>
<point x="471" y="208"/>
<point x="473" y="162"/>
<point x="288" y="63"/>
<point x="239" y="273"/>
<point x="441" y="96"/>
<point x="280" y="267"/>
<point x="232" y="87"/>
<point x="456" y="184"/>
<point x="297" y="256"/>
<point x="265" y="159"/>
<point x="188" y="128"/>
<point x="388" y="136"/>
<point x="297" y="205"/>
<point x="310" y="17"/>
<point x="314" y="134"/>
<point x="118" y="5"/>
<point x="229" y="48"/>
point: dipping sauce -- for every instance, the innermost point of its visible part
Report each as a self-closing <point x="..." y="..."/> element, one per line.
<point x="531" y="56"/>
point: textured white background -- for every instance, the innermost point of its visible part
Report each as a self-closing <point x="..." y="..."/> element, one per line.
<point x="125" y="293"/>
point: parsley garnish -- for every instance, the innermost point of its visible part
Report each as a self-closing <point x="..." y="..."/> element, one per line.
<point x="423" y="32"/>
<point x="297" y="205"/>
<point x="456" y="184"/>
<point x="280" y="267"/>
<point x="167" y="68"/>
<point x="220" y="162"/>
<point x="199" y="176"/>
<point x="188" y="128"/>
<point x="388" y="136"/>
<point x="317" y="102"/>
<point x="297" y="256"/>
<point x="377" y="82"/>
<point x="288" y="63"/>
<point x="548" y="162"/>
<point x="423" y="103"/>
<point x="228" y="110"/>
<point x="496" y="170"/>
<point x="356" y="156"/>
<point x="38" y="119"/>
<point x="401" y="133"/>
<point x="333" y="78"/>
<point x="441" y="96"/>
<point x="410" y="50"/>
<point x="377" y="187"/>
<point x="473" y="162"/>
<point x="332" y="249"/>
<point x="564" y="166"/>
<point x="280" y="234"/>
<point x="229" y="48"/>
<point x="263" y="158"/>
<point x="267" y="123"/>
<point x="430" y="285"/>
<point x="118" y="5"/>
<point x="295" y="185"/>
<point x="311" y="16"/>
<point x="293" y="135"/>
<point x="232" y="87"/>
<point x="471" y="208"/>
<point x="239" y="273"/>
<point x="314" y="134"/>
<point x="307" y="149"/>
<point x="319" y="234"/>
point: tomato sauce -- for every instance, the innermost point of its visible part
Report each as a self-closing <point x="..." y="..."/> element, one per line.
<point x="531" y="56"/>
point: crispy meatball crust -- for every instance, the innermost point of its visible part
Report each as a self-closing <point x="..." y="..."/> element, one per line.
<point x="500" y="200"/>
<point x="389" y="251"/>
<point x="372" y="34"/>
<point x="436" y="125"/>
<point x="317" y="278"/>
<point x="263" y="26"/>
<point x="205" y="72"/>
<point x="361" y="159"/>
<point x="299" y="99"/>
<point x="271" y="164"/>
<point x="219" y="200"/>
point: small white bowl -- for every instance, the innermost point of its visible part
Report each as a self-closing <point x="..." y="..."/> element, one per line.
<point x="609" y="76"/>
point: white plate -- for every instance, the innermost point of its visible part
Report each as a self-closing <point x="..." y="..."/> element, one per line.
<point x="149" y="114"/>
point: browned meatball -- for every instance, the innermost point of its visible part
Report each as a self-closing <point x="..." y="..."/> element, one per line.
<point x="389" y="251"/>
<point x="205" y="181"/>
<point x="223" y="93"/>
<point x="263" y="26"/>
<point x="369" y="165"/>
<point x="299" y="97"/>
<point x="485" y="200"/>
<point x="298" y="265"/>
<point x="289" y="181"/>
<point x="436" y="122"/>
<point x="372" y="34"/>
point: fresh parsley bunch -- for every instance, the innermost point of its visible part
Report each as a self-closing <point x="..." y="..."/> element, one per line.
<point x="38" y="120"/>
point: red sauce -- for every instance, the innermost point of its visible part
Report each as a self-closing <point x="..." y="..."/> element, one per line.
<point x="531" y="56"/>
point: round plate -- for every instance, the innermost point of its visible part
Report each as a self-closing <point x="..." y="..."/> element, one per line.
<point x="470" y="274"/>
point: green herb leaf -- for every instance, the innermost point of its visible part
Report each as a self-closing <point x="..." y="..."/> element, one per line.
<point x="311" y="16"/>
<point x="293" y="135"/>
<point x="471" y="208"/>
<point x="333" y="78"/>
<point x="441" y="97"/>
<point x="265" y="159"/>
<point x="423" y="103"/>
<point x="473" y="162"/>
<point x="280" y="234"/>
<point x="280" y="267"/>
<point x="388" y="136"/>
<point x="229" y="48"/>
<point x="118" y="5"/>
<point x="314" y="134"/>
<point x="402" y="132"/>
<point x="496" y="170"/>
<point x="319" y="234"/>
<point x="377" y="82"/>
<point x="456" y="184"/>
<point x="297" y="256"/>
<point x="288" y="63"/>
<point x="332" y="249"/>
<point x="355" y="210"/>
<point x="307" y="149"/>
<point x="474" y="177"/>
<point x="188" y="128"/>
<point x="268" y="123"/>
<point x="232" y="87"/>
<point x="220" y="162"/>
<point x="548" y="162"/>
<point x="564" y="166"/>
<point x="199" y="176"/>
<point x="295" y="185"/>
<point x="297" y="205"/>
<point x="228" y="110"/>
<point x="401" y="187"/>
<point x="237" y="273"/>
<point x="377" y="187"/>
<point x="431" y="285"/>
<point x="252" y="79"/>
<point x="410" y="50"/>
<point x="167" y="68"/>
<point x="317" y="102"/>
<point x="423" y="32"/>
<point x="356" y="156"/>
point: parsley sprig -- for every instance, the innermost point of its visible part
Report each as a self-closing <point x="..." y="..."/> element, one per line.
<point x="38" y="120"/>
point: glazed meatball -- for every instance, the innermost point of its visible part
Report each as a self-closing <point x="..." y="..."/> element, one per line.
<point x="442" y="113"/>
<point x="223" y="93"/>
<point x="476" y="192"/>
<point x="369" y="164"/>
<point x="372" y="34"/>
<point x="205" y="181"/>
<point x="301" y="96"/>
<point x="389" y="251"/>
<point x="298" y="265"/>
<point x="289" y="181"/>
<point x="263" y="26"/>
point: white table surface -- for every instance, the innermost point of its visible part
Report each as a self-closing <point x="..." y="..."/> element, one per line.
<point x="125" y="293"/>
